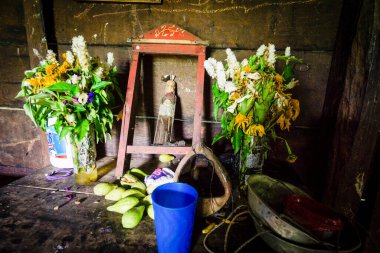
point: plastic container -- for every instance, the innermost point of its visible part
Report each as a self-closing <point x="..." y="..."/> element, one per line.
<point x="174" y="206"/>
<point x="60" y="152"/>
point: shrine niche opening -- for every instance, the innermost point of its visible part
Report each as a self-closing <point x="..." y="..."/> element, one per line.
<point x="164" y="40"/>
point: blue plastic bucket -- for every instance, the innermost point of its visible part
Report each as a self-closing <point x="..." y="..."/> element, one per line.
<point x="174" y="206"/>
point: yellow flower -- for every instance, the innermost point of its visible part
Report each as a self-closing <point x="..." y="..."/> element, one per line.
<point x="35" y="82"/>
<point x="247" y="68"/>
<point x="279" y="79"/>
<point x="235" y="96"/>
<point x="50" y="69"/>
<point x="63" y="68"/>
<point x="48" y="81"/>
<point x="241" y="121"/>
<point x="291" y="113"/>
<point x="283" y="122"/>
<point x="256" y="130"/>
<point x="295" y="107"/>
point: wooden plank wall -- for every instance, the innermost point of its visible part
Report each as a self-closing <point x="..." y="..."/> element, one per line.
<point x="308" y="26"/>
<point x="22" y="146"/>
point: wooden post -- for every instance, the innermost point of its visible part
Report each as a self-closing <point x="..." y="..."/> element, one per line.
<point x="199" y="98"/>
<point x="36" y="38"/>
<point x="35" y="32"/>
<point x="128" y="107"/>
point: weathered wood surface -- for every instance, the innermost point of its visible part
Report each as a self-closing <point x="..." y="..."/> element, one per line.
<point x="21" y="144"/>
<point x="306" y="24"/>
<point x="343" y="92"/>
<point x="29" y="222"/>
<point x="12" y="29"/>
<point x="352" y="113"/>
<point x="35" y="30"/>
<point x="14" y="60"/>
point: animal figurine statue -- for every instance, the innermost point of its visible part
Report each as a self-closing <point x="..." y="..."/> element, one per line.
<point x="164" y="127"/>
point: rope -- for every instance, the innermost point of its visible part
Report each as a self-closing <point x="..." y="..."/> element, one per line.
<point x="251" y="239"/>
<point x="59" y="174"/>
<point x="220" y="224"/>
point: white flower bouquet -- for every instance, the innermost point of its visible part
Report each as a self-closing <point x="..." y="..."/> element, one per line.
<point x="254" y="98"/>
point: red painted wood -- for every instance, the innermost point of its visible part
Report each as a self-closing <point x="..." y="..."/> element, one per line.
<point x="169" y="49"/>
<point x="127" y="114"/>
<point x="165" y="33"/>
<point x="169" y="32"/>
<point x="132" y="149"/>
<point x="199" y="100"/>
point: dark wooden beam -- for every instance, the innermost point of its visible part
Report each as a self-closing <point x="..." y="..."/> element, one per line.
<point x="353" y="186"/>
<point x="334" y="93"/>
<point x="36" y="38"/>
<point x="35" y="31"/>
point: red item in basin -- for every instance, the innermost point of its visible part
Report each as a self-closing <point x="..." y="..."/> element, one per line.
<point x="315" y="217"/>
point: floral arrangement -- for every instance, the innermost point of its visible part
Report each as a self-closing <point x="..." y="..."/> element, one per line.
<point x="254" y="98"/>
<point x="78" y="92"/>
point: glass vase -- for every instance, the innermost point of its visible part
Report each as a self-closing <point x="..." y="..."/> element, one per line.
<point x="84" y="159"/>
<point x="255" y="160"/>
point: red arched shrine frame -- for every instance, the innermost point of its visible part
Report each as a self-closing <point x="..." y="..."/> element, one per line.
<point x="164" y="40"/>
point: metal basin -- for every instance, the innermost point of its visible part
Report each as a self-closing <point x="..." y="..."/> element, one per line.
<point x="266" y="200"/>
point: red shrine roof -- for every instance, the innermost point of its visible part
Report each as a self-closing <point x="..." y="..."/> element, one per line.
<point x="169" y="34"/>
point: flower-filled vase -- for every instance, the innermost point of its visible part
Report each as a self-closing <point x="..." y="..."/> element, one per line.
<point x="79" y="94"/>
<point x="84" y="159"/>
<point x="255" y="99"/>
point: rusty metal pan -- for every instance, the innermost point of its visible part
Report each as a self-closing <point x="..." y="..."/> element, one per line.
<point x="265" y="199"/>
<point x="265" y="195"/>
<point x="350" y="243"/>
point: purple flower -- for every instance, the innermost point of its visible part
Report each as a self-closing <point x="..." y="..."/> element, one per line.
<point x="75" y="100"/>
<point x="90" y="97"/>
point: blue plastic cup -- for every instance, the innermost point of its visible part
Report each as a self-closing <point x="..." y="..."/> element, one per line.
<point x="174" y="206"/>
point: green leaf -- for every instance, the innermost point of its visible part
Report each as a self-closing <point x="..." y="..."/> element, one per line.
<point x="215" y="89"/>
<point x="20" y="94"/>
<point x="30" y="73"/>
<point x="100" y="85"/>
<point x="216" y="112"/>
<point x="217" y="138"/>
<point x="29" y="112"/>
<point x="269" y="98"/>
<point x="224" y="99"/>
<point x="63" y="87"/>
<point x="45" y="102"/>
<point x="246" y="105"/>
<point x="288" y="73"/>
<point x="79" y="108"/>
<point x="260" y="112"/>
<point x="236" y="140"/>
<point x="59" y="105"/>
<point x="223" y="121"/>
<point x="83" y="129"/>
<point x="65" y="130"/>
<point x="50" y="92"/>
<point x="40" y="96"/>
<point x="230" y="126"/>
<point x="96" y="79"/>
<point x="262" y="63"/>
<point x="102" y="98"/>
<point x="98" y="128"/>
